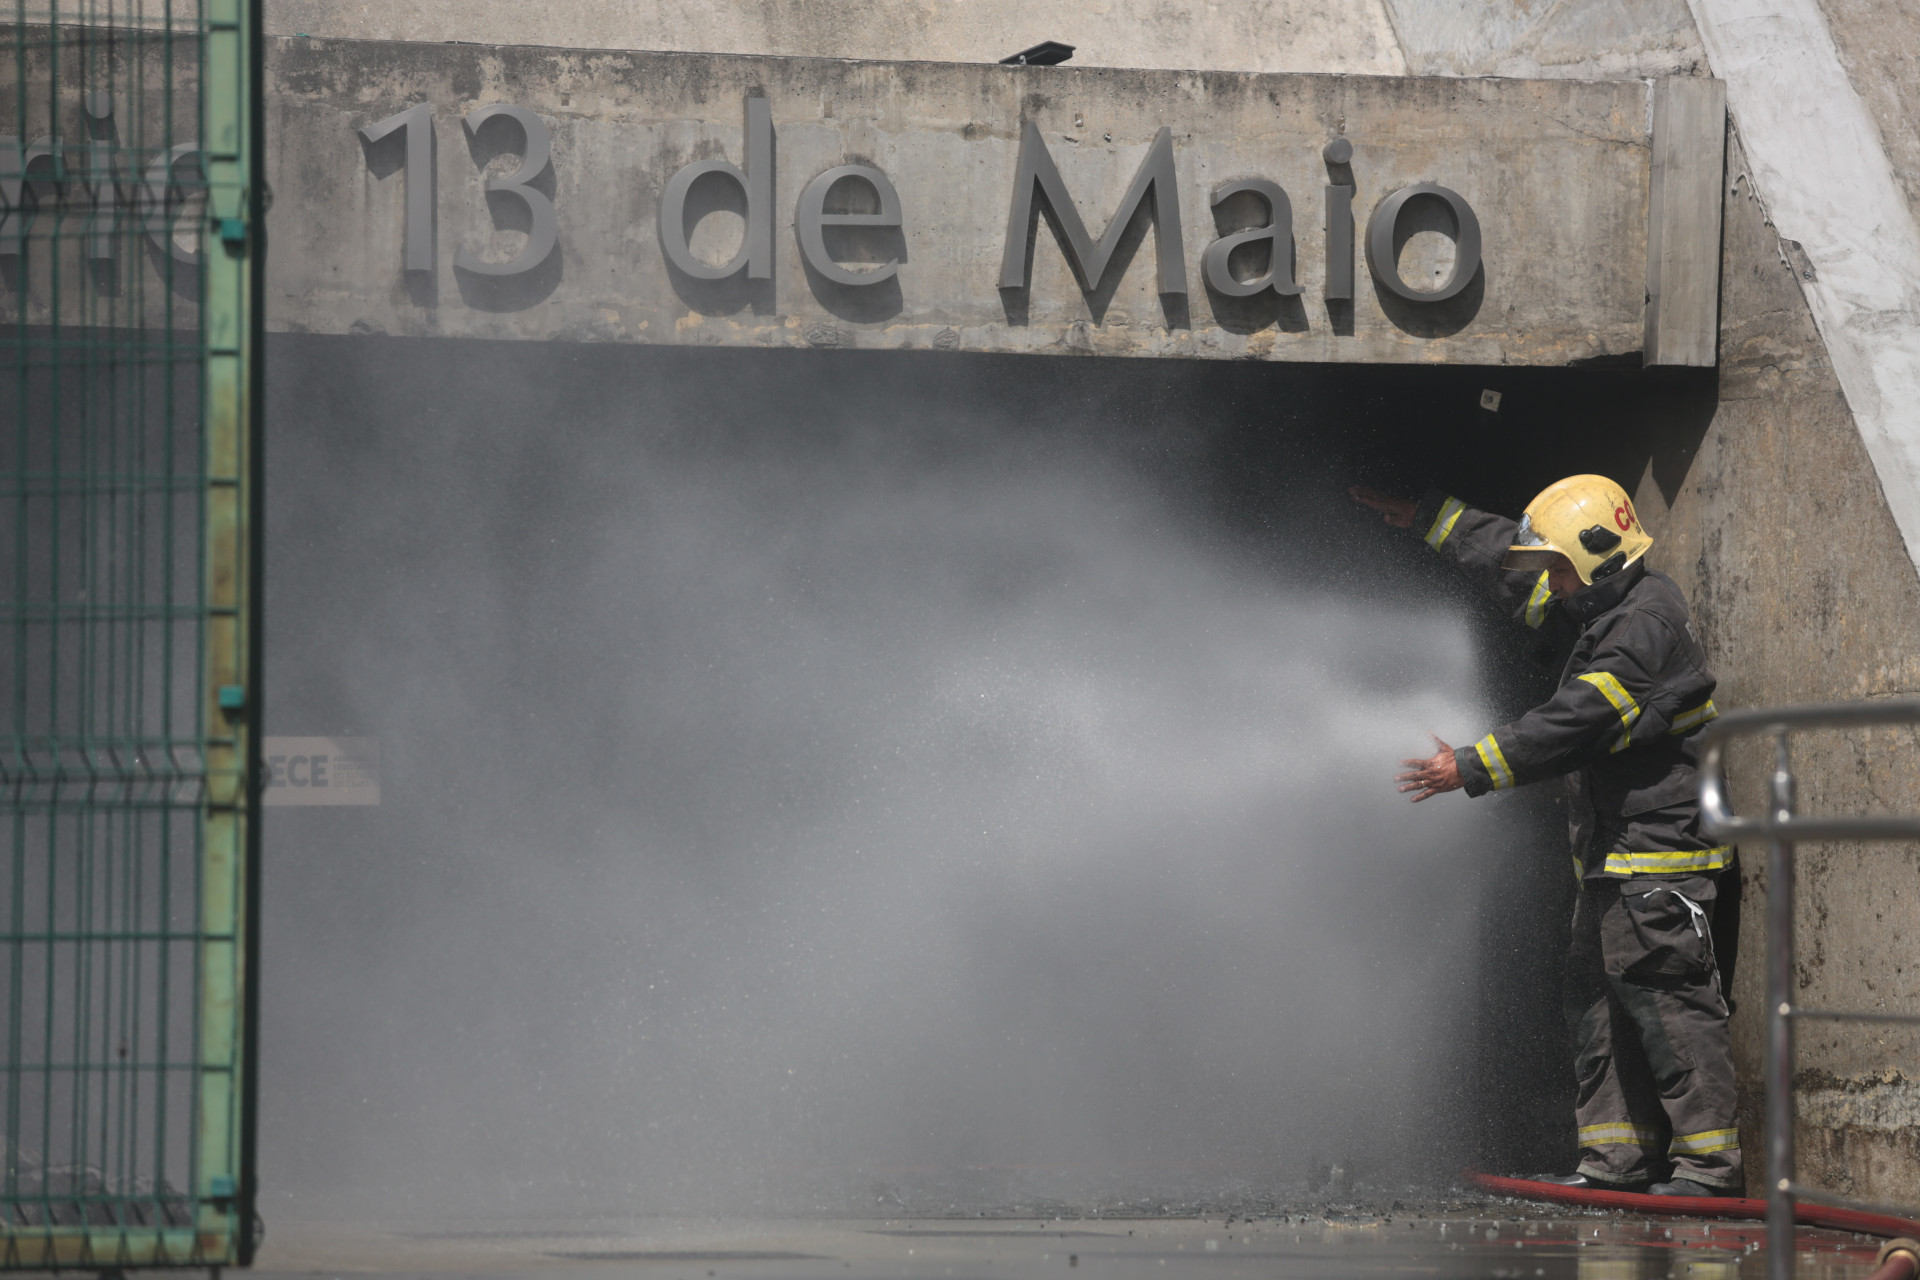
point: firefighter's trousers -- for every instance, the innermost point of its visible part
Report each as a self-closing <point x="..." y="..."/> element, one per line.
<point x="1653" y="1066"/>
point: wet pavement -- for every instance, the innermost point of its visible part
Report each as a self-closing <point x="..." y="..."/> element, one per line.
<point x="1503" y="1241"/>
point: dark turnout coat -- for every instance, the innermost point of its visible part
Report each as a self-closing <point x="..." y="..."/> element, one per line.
<point x="1623" y="727"/>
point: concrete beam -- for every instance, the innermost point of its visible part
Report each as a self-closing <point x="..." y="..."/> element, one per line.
<point x="1556" y="172"/>
<point x="1683" y="221"/>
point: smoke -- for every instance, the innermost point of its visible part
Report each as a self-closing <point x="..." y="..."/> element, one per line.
<point x="803" y="792"/>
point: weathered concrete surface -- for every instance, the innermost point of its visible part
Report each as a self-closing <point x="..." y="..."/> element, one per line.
<point x="1588" y="39"/>
<point x="1556" y="170"/>
<point x="1803" y="592"/>
<point x="1822" y="171"/>
<point x="1350" y="36"/>
<point x="1361" y="1235"/>
<point x="1879" y="45"/>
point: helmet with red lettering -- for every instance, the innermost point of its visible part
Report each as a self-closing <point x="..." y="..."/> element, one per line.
<point x="1588" y="519"/>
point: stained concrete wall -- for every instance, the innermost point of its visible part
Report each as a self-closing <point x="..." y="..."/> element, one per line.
<point x="1591" y="39"/>
<point x="1860" y="1096"/>
<point x="1773" y="524"/>
<point x="1249" y="35"/>
<point x="1879" y="45"/>
<point x="1534" y="39"/>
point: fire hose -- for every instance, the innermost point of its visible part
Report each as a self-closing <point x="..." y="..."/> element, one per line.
<point x="1899" y="1258"/>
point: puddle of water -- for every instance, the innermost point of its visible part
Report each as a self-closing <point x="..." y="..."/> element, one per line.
<point x="1515" y="1244"/>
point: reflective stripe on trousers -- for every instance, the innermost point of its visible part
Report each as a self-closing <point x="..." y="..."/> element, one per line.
<point x="1620" y="1134"/>
<point x="1703" y="1143"/>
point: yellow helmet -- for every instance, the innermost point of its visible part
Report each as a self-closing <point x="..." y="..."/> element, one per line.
<point x="1588" y="519"/>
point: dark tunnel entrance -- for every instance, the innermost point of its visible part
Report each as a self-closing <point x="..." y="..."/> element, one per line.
<point x="648" y="637"/>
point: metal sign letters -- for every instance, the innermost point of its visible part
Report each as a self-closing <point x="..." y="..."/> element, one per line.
<point x="536" y="151"/>
<point x="1089" y="260"/>
<point x="1037" y="186"/>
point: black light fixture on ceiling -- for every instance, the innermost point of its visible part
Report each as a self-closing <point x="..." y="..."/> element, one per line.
<point x="1048" y="53"/>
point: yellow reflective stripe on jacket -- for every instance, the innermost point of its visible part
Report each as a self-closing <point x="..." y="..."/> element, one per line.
<point x="1537" y="602"/>
<point x="1699" y="1144"/>
<point x="1695" y="717"/>
<point x="1642" y="864"/>
<point x="1620" y="1134"/>
<point x="1495" y="762"/>
<point x="1443" y="522"/>
<point x="1622" y="701"/>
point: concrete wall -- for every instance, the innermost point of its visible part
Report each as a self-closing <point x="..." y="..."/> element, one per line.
<point x="1593" y="39"/>
<point x="1861" y="1093"/>
<point x="1879" y="42"/>
<point x="1351" y="36"/>
<point x="1802" y="590"/>
<point x="1557" y="172"/>
<point x="1589" y="39"/>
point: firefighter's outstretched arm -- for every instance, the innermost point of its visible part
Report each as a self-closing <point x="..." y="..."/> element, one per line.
<point x="1583" y="720"/>
<point x="1605" y="708"/>
<point x="1474" y="541"/>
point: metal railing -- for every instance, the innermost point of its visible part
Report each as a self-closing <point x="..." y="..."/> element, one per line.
<point x="1783" y="828"/>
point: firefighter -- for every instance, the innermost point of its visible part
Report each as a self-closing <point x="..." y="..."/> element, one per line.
<point x="1654" y="1105"/>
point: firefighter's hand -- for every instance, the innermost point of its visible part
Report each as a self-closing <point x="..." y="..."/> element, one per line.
<point x="1437" y="774"/>
<point x="1398" y="512"/>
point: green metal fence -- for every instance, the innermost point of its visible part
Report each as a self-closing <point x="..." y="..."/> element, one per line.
<point x="130" y="255"/>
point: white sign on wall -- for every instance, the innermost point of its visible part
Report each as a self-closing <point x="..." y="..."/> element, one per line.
<point x="322" y="771"/>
